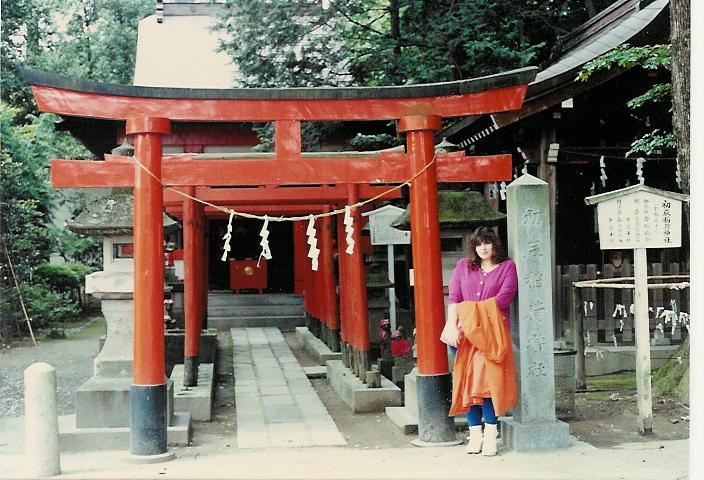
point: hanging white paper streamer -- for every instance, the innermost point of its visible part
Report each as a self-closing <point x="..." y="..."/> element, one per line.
<point x="313" y="251"/>
<point x="227" y="238"/>
<point x="592" y="190"/>
<point x="620" y="309"/>
<point x="493" y="188"/>
<point x="349" y="228"/>
<point x="640" y="161"/>
<point x="615" y="341"/>
<point x="603" y="176"/>
<point x="264" y="233"/>
<point x="502" y="190"/>
<point x="620" y="329"/>
<point x="524" y="170"/>
<point x="678" y="174"/>
<point x="628" y="183"/>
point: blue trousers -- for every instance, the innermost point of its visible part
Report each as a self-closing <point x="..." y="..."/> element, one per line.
<point x="475" y="413"/>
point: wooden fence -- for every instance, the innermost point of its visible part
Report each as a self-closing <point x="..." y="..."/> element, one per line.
<point x="604" y="318"/>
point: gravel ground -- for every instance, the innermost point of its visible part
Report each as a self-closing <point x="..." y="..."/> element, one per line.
<point x="72" y="358"/>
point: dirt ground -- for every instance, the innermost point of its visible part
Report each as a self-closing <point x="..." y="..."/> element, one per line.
<point x="598" y="419"/>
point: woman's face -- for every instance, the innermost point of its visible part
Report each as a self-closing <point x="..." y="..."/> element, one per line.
<point x="485" y="251"/>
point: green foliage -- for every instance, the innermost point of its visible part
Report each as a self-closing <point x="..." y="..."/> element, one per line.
<point x="81" y="248"/>
<point x="650" y="58"/>
<point x="297" y="43"/>
<point x="652" y="141"/>
<point x="669" y="377"/>
<point x="65" y="275"/>
<point x="373" y="142"/>
<point x="658" y="93"/>
<point x="93" y="39"/>
<point x="46" y="306"/>
<point x="625" y="56"/>
<point x="26" y="200"/>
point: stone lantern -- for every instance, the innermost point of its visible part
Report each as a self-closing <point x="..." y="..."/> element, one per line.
<point x="461" y="212"/>
<point x="102" y="402"/>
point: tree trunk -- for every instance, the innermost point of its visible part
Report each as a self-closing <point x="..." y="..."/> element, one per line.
<point x="679" y="37"/>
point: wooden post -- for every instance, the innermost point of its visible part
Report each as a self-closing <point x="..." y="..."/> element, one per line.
<point x="358" y="297"/>
<point x="578" y="332"/>
<point x="191" y="289"/>
<point x="327" y="265"/>
<point x="645" y="399"/>
<point x="392" y="288"/>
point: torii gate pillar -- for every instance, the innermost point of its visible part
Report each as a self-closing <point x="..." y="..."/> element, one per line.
<point x="194" y="268"/>
<point x="434" y="380"/>
<point x="148" y="390"/>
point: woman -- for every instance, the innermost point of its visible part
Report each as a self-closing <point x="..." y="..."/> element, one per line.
<point x="481" y="290"/>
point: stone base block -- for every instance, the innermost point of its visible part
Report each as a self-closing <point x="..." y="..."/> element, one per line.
<point x="315" y="346"/>
<point x="72" y="439"/>
<point x="174" y="342"/>
<point x="403" y="419"/>
<point x="356" y="394"/>
<point x="523" y="437"/>
<point x="105" y="403"/>
<point x="197" y="400"/>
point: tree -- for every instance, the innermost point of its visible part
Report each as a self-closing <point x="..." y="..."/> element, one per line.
<point x="287" y="43"/>
<point x="680" y="40"/>
<point x="676" y="58"/>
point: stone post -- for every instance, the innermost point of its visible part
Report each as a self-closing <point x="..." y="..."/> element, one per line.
<point x="533" y="426"/>
<point x="41" y="424"/>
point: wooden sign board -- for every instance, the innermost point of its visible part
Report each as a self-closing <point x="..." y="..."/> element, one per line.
<point x="639" y="217"/>
<point x="380" y="228"/>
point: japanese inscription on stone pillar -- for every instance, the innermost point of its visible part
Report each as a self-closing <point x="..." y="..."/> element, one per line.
<point x="529" y="240"/>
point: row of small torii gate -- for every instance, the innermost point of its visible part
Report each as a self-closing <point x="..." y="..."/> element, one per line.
<point x="341" y="179"/>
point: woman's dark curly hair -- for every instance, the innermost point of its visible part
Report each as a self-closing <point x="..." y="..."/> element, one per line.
<point x="484" y="235"/>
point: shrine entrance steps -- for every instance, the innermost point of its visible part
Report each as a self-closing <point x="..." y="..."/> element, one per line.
<point x="275" y="403"/>
<point x="281" y="310"/>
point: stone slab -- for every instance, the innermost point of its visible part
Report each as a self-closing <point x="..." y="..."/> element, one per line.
<point x="356" y="394"/>
<point x="197" y="400"/>
<point x="73" y="439"/>
<point x="623" y="358"/>
<point x="318" y="371"/>
<point x="285" y="324"/>
<point x="524" y="437"/>
<point x="315" y="346"/>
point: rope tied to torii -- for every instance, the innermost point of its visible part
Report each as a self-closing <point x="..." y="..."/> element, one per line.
<point x="311" y="218"/>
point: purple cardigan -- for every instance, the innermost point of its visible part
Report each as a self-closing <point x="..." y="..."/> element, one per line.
<point x="475" y="285"/>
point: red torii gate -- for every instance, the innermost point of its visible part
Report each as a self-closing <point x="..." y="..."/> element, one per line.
<point x="148" y="114"/>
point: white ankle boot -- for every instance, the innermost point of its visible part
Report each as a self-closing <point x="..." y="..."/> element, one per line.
<point x="490" y="434"/>
<point x="474" y="445"/>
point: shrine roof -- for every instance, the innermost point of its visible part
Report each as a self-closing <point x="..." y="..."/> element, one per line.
<point x="506" y="79"/>
<point x="459" y="210"/>
<point x="602" y="197"/>
<point x="635" y="22"/>
<point x="110" y="215"/>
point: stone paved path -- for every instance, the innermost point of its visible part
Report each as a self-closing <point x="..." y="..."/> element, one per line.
<point x="275" y="403"/>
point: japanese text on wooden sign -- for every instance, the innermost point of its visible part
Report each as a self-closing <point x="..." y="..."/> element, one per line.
<point x="640" y="220"/>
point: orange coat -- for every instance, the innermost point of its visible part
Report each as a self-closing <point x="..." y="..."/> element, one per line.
<point x="484" y="330"/>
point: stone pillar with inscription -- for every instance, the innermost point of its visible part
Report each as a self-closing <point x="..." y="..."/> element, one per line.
<point x="533" y="425"/>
